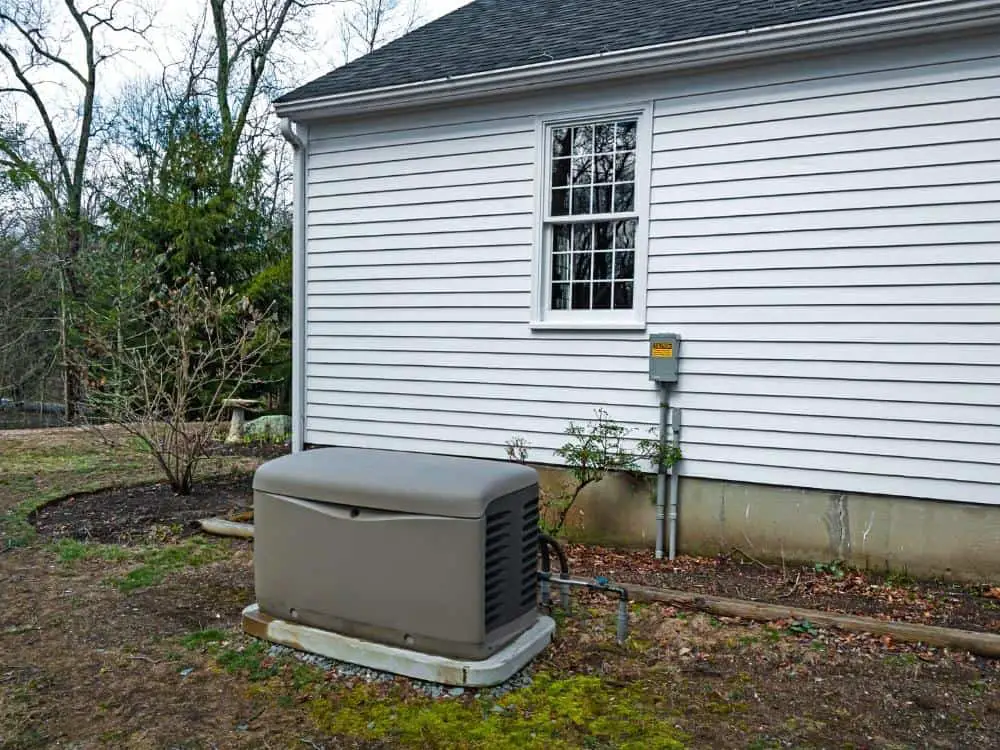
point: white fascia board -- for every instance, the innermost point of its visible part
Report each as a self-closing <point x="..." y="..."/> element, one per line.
<point x="901" y="21"/>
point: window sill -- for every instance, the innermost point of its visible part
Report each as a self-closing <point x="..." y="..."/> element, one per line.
<point x="596" y="325"/>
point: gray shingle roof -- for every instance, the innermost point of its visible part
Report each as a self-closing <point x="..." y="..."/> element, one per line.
<point x="497" y="34"/>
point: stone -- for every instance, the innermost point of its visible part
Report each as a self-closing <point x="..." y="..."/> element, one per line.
<point x="374" y="657"/>
<point x="272" y="428"/>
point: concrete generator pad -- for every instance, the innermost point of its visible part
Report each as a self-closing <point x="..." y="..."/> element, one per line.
<point x="471" y="674"/>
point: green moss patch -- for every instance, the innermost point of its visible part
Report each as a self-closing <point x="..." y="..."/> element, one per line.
<point x="551" y="714"/>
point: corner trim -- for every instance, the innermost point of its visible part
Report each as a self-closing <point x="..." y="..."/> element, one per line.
<point x="298" y="138"/>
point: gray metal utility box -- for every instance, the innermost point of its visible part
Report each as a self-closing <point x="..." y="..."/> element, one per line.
<point x="429" y="553"/>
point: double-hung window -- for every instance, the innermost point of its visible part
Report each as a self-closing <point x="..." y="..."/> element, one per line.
<point x="591" y="260"/>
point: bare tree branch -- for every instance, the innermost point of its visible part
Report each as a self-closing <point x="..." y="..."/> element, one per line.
<point x="369" y="24"/>
<point x="34" y="39"/>
<point x="32" y="93"/>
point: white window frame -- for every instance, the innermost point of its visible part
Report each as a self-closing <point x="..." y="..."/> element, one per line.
<point x="542" y="316"/>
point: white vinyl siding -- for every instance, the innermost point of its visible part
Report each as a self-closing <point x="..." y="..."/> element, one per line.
<point x="825" y="236"/>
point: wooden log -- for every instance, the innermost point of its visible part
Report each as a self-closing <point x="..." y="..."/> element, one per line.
<point x="222" y="527"/>
<point x="982" y="644"/>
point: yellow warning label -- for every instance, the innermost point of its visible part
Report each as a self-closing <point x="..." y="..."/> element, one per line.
<point x="663" y="349"/>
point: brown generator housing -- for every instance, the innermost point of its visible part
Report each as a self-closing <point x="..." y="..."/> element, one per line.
<point x="430" y="553"/>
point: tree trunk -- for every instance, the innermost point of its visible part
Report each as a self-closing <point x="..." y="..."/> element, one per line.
<point x="72" y="376"/>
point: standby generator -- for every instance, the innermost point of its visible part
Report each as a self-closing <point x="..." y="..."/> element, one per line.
<point x="429" y="553"/>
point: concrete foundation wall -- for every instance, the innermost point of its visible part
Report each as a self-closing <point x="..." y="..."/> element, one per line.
<point x="924" y="538"/>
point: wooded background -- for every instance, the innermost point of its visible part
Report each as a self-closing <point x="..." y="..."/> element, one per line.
<point x="120" y="177"/>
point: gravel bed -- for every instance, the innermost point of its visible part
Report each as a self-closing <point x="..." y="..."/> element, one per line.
<point x="431" y="689"/>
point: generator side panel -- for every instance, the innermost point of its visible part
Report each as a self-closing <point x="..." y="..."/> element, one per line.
<point x="407" y="580"/>
<point x="510" y="560"/>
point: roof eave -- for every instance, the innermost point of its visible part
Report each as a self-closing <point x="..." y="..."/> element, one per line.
<point x="889" y="23"/>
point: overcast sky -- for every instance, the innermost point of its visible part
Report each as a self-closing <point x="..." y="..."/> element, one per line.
<point x="437" y="8"/>
<point x="167" y="44"/>
<point x="174" y="16"/>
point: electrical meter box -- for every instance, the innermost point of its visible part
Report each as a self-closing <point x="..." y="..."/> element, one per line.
<point x="664" y="356"/>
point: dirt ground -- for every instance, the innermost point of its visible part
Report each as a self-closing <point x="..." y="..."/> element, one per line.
<point x="137" y="645"/>
<point x="828" y="586"/>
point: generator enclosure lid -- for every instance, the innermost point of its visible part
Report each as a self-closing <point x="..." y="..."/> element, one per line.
<point x="393" y="481"/>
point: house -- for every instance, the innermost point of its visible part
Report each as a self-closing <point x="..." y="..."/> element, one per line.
<point x="497" y="210"/>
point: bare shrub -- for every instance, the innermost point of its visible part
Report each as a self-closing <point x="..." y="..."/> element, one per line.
<point x="165" y="382"/>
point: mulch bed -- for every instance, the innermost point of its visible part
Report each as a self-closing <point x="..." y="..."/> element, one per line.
<point x="128" y="515"/>
<point x="846" y="591"/>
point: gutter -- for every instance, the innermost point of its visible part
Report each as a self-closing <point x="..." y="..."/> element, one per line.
<point x="898" y="22"/>
<point x="298" y="137"/>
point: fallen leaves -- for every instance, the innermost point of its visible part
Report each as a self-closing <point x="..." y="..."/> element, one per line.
<point x="827" y="587"/>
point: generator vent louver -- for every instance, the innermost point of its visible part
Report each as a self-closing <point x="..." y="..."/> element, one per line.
<point x="511" y="558"/>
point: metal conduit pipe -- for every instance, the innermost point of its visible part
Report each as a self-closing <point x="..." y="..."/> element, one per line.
<point x="543" y="583"/>
<point x="661" y="471"/>
<point x="546" y="542"/>
<point x="675" y="438"/>
<point x="667" y="478"/>
<point x="622" y="630"/>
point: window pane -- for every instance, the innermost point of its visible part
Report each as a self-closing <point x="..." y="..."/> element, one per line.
<point x="602" y="199"/>
<point x="560" y="202"/>
<point x="560" y="296"/>
<point x="581" y="296"/>
<point x="561" y="237"/>
<point x="583" y="140"/>
<point x="561" y="141"/>
<point x="560" y="172"/>
<point x="623" y="295"/>
<point x="604" y="168"/>
<point x="602" y="265"/>
<point x="583" y="237"/>
<point x="624" y="197"/>
<point x="604" y="138"/>
<point x="604" y="236"/>
<point x="625" y="136"/>
<point x="583" y="170"/>
<point x="625" y="234"/>
<point x="625" y="266"/>
<point x="560" y="267"/>
<point x="581" y="266"/>
<point x="581" y="200"/>
<point x="625" y="167"/>
<point x="602" y="296"/>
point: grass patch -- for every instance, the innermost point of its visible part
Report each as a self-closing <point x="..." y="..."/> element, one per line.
<point x="33" y="474"/>
<point x="72" y="550"/>
<point x="551" y="714"/>
<point x="35" y="471"/>
<point x="250" y="660"/>
<point x="155" y="562"/>
<point x="204" y="638"/>
<point x="158" y="562"/>
<point x="27" y="739"/>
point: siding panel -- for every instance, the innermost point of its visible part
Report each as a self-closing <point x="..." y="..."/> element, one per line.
<point x="825" y="236"/>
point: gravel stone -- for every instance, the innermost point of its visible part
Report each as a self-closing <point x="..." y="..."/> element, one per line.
<point x="433" y="690"/>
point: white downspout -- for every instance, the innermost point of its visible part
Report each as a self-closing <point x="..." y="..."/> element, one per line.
<point x="298" y="137"/>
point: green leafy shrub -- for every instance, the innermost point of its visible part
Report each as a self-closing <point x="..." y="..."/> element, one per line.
<point x="595" y="448"/>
